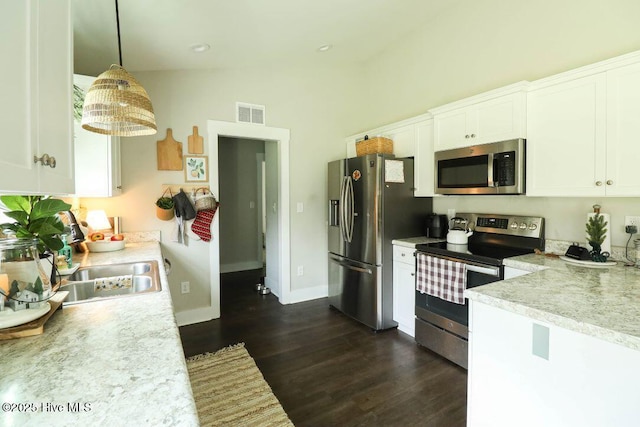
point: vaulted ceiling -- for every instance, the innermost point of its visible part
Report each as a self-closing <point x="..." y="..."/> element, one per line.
<point x="159" y="34"/>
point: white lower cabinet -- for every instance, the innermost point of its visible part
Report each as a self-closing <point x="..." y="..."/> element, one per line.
<point x="526" y="372"/>
<point x="404" y="288"/>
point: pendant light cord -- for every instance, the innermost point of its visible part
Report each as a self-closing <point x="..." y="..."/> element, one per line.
<point x="118" y="27"/>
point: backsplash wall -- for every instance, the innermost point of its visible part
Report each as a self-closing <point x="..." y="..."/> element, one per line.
<point x="565" y="217"/>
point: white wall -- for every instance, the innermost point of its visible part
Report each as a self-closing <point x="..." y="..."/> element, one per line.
<point x="482" y="45"/>
<point x="319" y="105"/>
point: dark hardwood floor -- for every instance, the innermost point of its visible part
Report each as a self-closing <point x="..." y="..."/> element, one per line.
<point x="329" y="370"/>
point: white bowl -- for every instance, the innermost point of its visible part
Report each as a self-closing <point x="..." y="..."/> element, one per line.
<point x="105" y="245"/>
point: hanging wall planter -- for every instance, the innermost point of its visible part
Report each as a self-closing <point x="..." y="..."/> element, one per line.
<point x="165" y="206"/>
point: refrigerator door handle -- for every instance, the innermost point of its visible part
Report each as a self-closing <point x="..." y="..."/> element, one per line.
<point x="353" y="267"/>
<point x="343" y="218"/>
<point x="352" y="214"/>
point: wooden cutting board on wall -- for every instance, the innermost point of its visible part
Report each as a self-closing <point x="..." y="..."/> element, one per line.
<point x="196" y="145"/>
<point x="169" y="153"/>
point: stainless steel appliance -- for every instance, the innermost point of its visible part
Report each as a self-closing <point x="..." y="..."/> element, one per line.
<point x="442" y="326"/>
<point x="371" y="202"/>
<point x="496" y="168"/>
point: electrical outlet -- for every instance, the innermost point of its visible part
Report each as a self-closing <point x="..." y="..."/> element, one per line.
<point x="185" y="287"/>
<point x="300" y="270"/>
<point x="632" y="220"/>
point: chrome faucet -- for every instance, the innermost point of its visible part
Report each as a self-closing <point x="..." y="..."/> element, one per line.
<point x="77" y="236"/>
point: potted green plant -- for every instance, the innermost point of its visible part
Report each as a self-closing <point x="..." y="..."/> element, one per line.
<point x="596" y="233"/>
<point x="165" y="207"/>
<point x="35" y="217"/>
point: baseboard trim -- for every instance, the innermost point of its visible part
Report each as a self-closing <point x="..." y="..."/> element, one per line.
<point x="307" y="294"/>
<point x="197" y="315"/>
<point x="240" y="266"/>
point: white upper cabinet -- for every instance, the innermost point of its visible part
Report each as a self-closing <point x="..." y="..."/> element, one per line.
<point x="623" y="131"/>
<point x="490" y="117"/>
<point x="566" y="138"/>
<point x="97" y="157"/>
<point x="411" y="138"/>
<point x="36" y="112"/>
<point x="583" y="132"/>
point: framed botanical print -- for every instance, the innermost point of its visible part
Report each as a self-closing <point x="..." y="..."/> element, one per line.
<point x="196" y="169"/>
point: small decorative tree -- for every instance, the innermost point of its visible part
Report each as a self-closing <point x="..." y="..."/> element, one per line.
<point x="596" y="233"/>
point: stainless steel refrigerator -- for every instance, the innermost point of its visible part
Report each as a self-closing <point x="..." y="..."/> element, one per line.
<point x="371" y="202"/>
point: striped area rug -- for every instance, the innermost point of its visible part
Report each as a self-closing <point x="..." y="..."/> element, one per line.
<point x="230" y="390"/>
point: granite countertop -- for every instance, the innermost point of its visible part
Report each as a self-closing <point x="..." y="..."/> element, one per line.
<point x="121" y="360"/>
<point x="411" y="242"/>
<point x="601" y="302"/>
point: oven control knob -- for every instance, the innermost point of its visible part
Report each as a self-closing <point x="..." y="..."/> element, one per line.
<point x="514" y="225"/>
<point x="523" y="226"/>
<point x="533" y="226"/>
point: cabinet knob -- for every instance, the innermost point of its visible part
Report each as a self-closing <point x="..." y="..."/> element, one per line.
<point x="473" y="135"/>
<point x="413" y="274"/>
<point x="609" y="182"/>
<point x="598" y="183"/>
<point x="45" y="160"/>
<point x="119" y="187"/>
<point x="466" y="136"/>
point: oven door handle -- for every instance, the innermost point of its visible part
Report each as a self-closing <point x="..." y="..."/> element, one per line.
<point x="490" y="271"/>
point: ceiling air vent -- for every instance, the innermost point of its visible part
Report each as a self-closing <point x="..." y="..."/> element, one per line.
<point x="250" y="113"/>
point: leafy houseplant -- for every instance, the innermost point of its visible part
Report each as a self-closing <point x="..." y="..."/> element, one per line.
<point x="164" y="208"/>
<point x="596" y="233"/>
<point x="35" y="217"/>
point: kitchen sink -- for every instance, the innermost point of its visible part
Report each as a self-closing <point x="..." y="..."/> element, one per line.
<point x="99" y="282"/>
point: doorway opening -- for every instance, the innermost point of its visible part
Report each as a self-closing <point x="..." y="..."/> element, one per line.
<point x="266" y="209"/>
<point x="242" y="226"/>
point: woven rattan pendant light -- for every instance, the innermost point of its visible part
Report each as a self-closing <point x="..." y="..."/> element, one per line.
<point x="116" y="104"/>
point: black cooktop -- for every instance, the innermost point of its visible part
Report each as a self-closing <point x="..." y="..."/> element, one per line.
<point x="475" y="251"/>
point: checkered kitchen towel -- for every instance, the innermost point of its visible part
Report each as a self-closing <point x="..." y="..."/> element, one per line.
<point x="441" y="278"/>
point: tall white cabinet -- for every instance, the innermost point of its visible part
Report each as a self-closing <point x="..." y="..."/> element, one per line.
<point x="36" y="112"/>
<point x="583" y="132"/>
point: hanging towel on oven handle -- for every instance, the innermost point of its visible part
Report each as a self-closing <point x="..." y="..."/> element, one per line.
<point x="441" y="278"/>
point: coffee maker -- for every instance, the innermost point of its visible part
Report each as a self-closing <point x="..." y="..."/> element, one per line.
<point x="437" y="226"/>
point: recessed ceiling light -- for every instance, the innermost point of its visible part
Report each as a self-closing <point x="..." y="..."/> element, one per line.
<point x="200" y="47"/>
<point x="324" y="48"/>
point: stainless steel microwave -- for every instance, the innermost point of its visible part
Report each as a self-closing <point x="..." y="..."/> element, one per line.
<point x="495" y="168"/>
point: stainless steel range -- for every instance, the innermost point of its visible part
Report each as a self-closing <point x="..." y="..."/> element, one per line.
<point x="441" y="325"/>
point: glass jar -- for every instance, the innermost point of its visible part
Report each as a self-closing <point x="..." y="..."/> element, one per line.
<point x="24" y="283"/>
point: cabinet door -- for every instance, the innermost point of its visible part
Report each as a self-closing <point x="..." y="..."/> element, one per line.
<point x="623" y="131"/>
<point x="500" y="119"/>
<point x="55" y="96"/>
<point x="424" y="174"/>
<point x="566" y="138"/>
<point x="404" y="140"/>
<point x="18" y="75"/>
<point x="450" y="130"/>
<point x="35" y="115"/>
<point x="404" y="299"/>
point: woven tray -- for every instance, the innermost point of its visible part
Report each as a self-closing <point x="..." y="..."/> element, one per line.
<point x="378" y="144"/>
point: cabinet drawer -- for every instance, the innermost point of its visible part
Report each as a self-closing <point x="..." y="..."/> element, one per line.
<point x="404" y="254"/>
